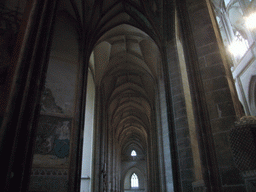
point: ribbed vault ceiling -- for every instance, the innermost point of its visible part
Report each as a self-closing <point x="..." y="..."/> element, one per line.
<point x="93" y="18"/>
<point x="125" y="61"/>
<point x="126" y="67"/>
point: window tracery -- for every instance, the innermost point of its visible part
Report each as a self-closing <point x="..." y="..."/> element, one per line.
<point x="134" y="181"/>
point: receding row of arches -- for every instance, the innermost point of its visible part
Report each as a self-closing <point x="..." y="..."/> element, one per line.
<point x="124" y="69"/>
<point x="127" y="80"/>
<point x="107" y="78"/>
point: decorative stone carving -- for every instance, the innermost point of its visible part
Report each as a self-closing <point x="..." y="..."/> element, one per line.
<point x="243" y="144"/>
<point x="246" y="120"/>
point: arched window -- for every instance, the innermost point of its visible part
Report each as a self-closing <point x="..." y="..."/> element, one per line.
<point x="134" y="180"/>
<point x="239" y="45"/>
<point x="133" y="153"/>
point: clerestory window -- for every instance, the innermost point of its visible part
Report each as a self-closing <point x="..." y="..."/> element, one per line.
<point x="133" y="154"/>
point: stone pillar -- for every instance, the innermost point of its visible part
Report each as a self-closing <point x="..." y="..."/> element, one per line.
<point x="26" y="78"/>
<point x="213" y="96"/>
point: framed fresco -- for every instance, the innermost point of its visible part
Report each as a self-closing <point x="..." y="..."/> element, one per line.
<point x="52" y="141"/>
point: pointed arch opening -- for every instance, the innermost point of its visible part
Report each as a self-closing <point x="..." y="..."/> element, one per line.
<point x="134" y="181"/>
<point x="127" y="65"/>
<point x="133" y="153"/>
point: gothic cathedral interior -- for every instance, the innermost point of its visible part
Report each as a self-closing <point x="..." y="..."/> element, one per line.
<point x="128" y="95"/>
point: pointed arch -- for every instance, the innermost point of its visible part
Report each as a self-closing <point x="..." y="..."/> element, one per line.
<point x="133" y="153"/>
<point x="134" y="181"/>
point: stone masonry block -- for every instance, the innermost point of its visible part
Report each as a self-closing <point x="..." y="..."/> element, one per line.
<point x="182" y="112"/>
<point x="213" y="58"/>
<point x="186" y="163"/>
<point x="183" y="143"/>
<point x="178" y="98"/>
<point x="177" y="90"/>
<point x="223" y="149"/>
<point x="202" y="62"/>
<point x="179" y="105"/>
<point x="182" y="133"/>
<point x="208" y="48"/>
<point x="212" y="72"/>
<point x="199" y="17"/>
<point x="185" y="153"/>
<point x="187" y="186"/>
<point x="221" y="96"/>
<point x="222" y="124"/>
<point x="181" y="123"/>
<point x="226" y="109"/>
<point x="215" y="84"/>
<point x="204" y="35"/>
<point x="230" y="176"/>
<point x="187" y="174"/>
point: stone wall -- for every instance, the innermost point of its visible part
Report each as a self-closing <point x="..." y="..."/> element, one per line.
<point x="181" y="130"/>
<point x="215" y="95"/>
